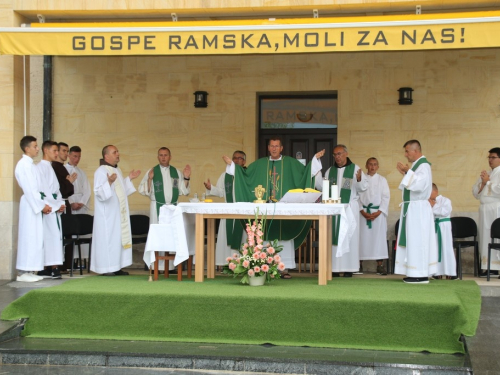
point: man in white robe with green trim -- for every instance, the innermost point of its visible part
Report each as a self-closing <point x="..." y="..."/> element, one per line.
<point x="441" y="208"/>
<point x="163" y="184"/>
<point x="352" y="181"/>
<point x="487" y="190"/>
<point x="111" y="237"/>
<point x="225" y="189"/>
<point x="416" y="252"/>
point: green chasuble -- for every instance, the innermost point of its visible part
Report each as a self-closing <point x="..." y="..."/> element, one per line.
<point x="277" y="177"/>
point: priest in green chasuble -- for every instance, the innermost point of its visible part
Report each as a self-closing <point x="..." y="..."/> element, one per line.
<point x="277" y="174"/>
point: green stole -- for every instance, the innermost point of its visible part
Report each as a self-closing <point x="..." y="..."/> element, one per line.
<point x="406" y="203"/>
<point x="158" y="186"/>
<point x="345" y="194"/>
<point x="437" y="228"/>
<point x="233" y="228"/>
<point x="285" y="174"/>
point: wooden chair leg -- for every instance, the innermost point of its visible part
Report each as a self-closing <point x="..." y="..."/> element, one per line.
<point x="190" y="267"/>
<point x="179" y="272"/>
<point x="156" y="268"/>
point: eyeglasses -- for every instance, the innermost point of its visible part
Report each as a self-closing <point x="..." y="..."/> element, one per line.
<point x="492" y="157"/>
<point x="339" y="153"/>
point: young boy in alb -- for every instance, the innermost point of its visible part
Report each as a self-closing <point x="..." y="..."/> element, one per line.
<point x="31" y="207"/>
<point x="52" y="229"/>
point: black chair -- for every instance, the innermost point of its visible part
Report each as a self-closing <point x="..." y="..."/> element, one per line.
<point x="393" y="256"/>
<point x="69" y="228"/>
<point x="139" y="226"/>
<point x="85" y="227"/>
<point x="495" y="234"/>
<point x="462" y="228"/>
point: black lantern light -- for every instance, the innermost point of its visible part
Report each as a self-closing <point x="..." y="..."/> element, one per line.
<point x="200" y="99"/>
<point x="405" y="96"/>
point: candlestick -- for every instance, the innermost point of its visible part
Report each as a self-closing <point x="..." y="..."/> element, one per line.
<point x="335" y="192"/>
<point x="326" y="190"/>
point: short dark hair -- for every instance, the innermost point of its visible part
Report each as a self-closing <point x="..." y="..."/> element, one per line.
<point x="371" y="158"/>
<point x="61" y="144"/>
<point x="26" y="141"/>
<point x="242" y="153"/>
<point x="412" y="142"/>
<point x="275" y="138"/>
<point x="434" y="187"/>
<point x="495" y="150"/>
<point x="165" y="148"/>
<point x="75" y="149"/>
<point x="48" y="144"/>
<point x="105" y="150"/>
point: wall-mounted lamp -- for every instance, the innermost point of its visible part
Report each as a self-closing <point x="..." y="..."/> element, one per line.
<point x="200" y="99"/>
<point x="405" y="96"/>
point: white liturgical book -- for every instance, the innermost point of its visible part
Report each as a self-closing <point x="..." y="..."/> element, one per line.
<point x="300" y="197"/>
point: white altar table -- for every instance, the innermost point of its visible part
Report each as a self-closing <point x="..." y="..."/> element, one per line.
<point x="282" y="211"/>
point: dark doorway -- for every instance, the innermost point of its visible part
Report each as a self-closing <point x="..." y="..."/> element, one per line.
<point x="305" y="123"/>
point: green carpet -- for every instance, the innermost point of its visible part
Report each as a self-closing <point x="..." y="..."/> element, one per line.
<point x="355" y="313"/>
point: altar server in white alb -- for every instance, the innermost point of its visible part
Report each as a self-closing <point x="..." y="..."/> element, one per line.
<point x="163" y="184"/>
<point x="30" y="256"/>
<point x="487" y="190"/>
<point x="111" y="237"/>
<point x="225" y="189"/>
<point x="351" y="181"/>
<point x="52" y="228"/>
<point x="441" y="208"/>
<point x="374" y="208"/>
<point x="80" y="200"/>
<point x="416" y="252"/>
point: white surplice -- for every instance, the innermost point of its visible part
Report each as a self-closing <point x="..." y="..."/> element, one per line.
<point x="373" y="241"/>
<point x="448" y="264"/>
<point x="349" y="261"/>
<point x="81" y="195"/>
<point x="167" y="193"/>
<point x="488" y="212"/>
<point x="52" y="226"/>
<point x="30" y="230"/>
<point x="288" y="253"/>
<point x="108" y="254"/>
<point x="419" y="257"/>
<point x="222" y="250"/>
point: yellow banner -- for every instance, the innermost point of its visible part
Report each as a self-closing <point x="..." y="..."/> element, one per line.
<point x="269" y="38"/>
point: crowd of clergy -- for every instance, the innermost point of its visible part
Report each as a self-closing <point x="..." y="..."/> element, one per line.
<point x="424" y="246"/>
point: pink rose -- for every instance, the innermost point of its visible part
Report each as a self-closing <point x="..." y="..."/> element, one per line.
<point x="228" y="259"/>
<point x="265" y="267"/>
<point x="270" y="260"/>
<point x="277" y="258"/>
<point x="245" y="252"/>
<point x="235" y="256"/>
<point x="271" y="250"/>
<point x="245" y="246"/>
<point x="256" y="269"/>
<point x="251" y="273"/>
<point x="246" y="263"/>
<point x="255" y="255"/>
<point x="232" y="266"/>
<point x="263" y="255"/>
<point x="281" y="266"/>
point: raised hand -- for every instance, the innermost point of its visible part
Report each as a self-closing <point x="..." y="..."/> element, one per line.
<point x="402" y="168"/>
<point x="71" y="177"/>
<point x="227" y="160"/>
<point x="208" y="185"/>
<point x="134" y="174"/>
<point x="111" y="178"/>
<point x="358" y="175"/>
<point x="485" y="177"/>
<point x="151" y="173"/>
<point x="319" y="154"/>
<point x="187" y="171"/>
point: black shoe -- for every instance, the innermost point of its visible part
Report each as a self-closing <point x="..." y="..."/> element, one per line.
<point x="416" y="280"/>
<point x="335" y="274"/>
<point x="492" y="273"/>
<point x="46" y="274"/>
<point x="108" y="274"/>
<point x="56" y="274"/>
<point x="437" y="277"/>
<point x="121" y="273"/>
<point x="347" y="274"/>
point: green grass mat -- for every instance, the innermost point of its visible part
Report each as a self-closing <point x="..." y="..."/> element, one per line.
<point x="347" y="313"/>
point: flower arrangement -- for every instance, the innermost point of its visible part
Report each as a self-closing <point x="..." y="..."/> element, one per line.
<point x="255" y="258"/>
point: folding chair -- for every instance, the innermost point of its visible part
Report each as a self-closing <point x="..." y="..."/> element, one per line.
<point x="461" y="228"/>
<point x="495" y="234"/>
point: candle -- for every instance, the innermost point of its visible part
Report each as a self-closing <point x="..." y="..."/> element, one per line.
<point x="326" y="184"/>
<point x="335" y="192"/>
